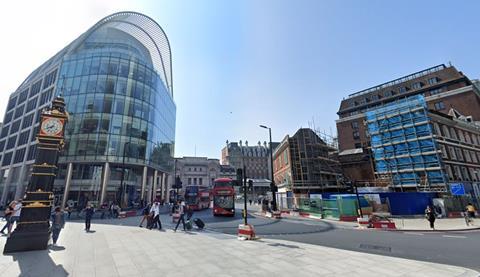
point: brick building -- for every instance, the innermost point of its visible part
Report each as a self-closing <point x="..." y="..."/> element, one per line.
<point x="442" y="87"/>
<point x="303" y="164"/>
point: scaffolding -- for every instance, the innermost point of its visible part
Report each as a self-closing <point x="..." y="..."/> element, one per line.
<point x="403" y="146"/>
<point x="314" y="171"/>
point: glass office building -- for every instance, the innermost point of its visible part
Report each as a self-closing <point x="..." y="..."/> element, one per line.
<point x="116" y="79"/>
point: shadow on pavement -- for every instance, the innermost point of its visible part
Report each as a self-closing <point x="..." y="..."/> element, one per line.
<point x="28" y="263"/>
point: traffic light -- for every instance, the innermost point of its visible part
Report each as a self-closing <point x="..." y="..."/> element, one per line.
<point x="250" y="185"/>
<point x="178" y="183"/>
<point x="239" y="176"/>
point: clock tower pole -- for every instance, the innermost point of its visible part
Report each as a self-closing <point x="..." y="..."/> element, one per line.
<point x="33" y="228"/>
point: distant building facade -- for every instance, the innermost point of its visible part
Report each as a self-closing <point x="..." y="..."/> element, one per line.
<point x="200" y="171"/>
<point x="256" y="158"/>
<point x="304" y="164"/>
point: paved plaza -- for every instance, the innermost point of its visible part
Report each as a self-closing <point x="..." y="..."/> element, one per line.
<point x="114" y="250"/>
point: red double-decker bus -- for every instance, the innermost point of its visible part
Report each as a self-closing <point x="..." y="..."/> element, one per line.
<point x="223" y="197"/>
<point x="197" y="197"/>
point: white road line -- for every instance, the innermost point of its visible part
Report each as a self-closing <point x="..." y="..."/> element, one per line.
<point x="458" y="237"/>
<point x="410" y="233"/>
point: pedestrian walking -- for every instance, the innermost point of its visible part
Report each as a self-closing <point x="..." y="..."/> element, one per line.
<point x="250" y="201"/>
<point x="155" y="211"/>
<point x="470" y="210"/>
<point x="181" y="211"/>
<point x="430" y="216"/>
<point x="68" y="210"/>
<point x="17" y="210"/>
<point x="58" y="222"/>
<point x="145" y="214"/>
<point x="7" y="216"/>
<point x="89" y="211"/>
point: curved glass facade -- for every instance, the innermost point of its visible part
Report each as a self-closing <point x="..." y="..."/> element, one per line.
<point x="118" y="106"/>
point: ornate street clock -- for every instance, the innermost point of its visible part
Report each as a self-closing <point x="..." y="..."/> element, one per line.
<point x="33" y="228"/>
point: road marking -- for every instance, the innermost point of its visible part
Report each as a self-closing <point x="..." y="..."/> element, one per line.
<point x="458" y="237"/>
<point x="410" y="233"/>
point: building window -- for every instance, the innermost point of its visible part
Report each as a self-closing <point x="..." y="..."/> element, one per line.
<point x="189" y="181"/>
<point x="473" y="156"/>
<point x="27" y="121"/>
<point x="11" y="142"/>
<point x="11" y="103"/>
<point x="31" y="152"/>
<point x="2" y="145"/>
<point x="432" y="81"/>
<point x="403" y="89"/>
<point x="46" y="96"/>
<point x="356" y="135"/>
<point x="36" y="88"/>
<point x="436" y="91"/>
<point x="200" y="181"/>
<point x="4" y="131"/>
<point x="19" y="155"/>
<point x="449" y="172"/>
<point x="23" y="96"/>
<point x="49" y="79"/>
<point x="466" y="153"/>
<point x="459" y="154"/>
<point x="446" y="133"/>
<point x="31" y="105"/>
<point x="444" y="151"/>
<point x="460" y="136"/>
<point x="466" y="175"/>
<point x="19" y="111"/>
<point x="194" y="181"/>
<point x="23" y="137"/>
<point x="453" y="155"/>
<point x="7" y="159"/>
<point x="474" y="139"/>
<point x="458" y="173"/>
<point x="8" y="117"/>
<point x="358" y="145"/>
<point x="439" y="106"/>
<point x="453" y="133"/>
<point x="194" y="169"/>
<point x="355" y="125"/>
<point x="417" y="85"/>
<point x="15" y="126"/>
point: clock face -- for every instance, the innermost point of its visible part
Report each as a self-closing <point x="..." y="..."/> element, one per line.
<point x="52" y="126"/>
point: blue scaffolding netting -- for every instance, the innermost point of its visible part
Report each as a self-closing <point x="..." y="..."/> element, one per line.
<point x="402" y="143"/>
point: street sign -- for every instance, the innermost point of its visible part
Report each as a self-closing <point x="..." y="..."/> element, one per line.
<point x="457" y="189"/>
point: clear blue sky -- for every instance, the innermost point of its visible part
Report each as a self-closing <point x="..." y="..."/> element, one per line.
<point x="238" y="64"/>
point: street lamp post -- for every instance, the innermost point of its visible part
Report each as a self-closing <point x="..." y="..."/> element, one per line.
<point x="272" y="184"/>
<point x="123" y="173"/>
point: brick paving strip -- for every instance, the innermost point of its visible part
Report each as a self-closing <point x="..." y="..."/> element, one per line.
<point x="131" y="251"/>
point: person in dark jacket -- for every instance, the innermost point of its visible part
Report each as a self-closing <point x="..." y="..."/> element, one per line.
<point x="430" y="215"/>
<point x="181" y="211"/>
<point x="89" y="211"/>
<point x="58" y="222"/>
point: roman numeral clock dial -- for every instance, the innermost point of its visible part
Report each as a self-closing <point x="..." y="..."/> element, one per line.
<point x="52" y="126"/>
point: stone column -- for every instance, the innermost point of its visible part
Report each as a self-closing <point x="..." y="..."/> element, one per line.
<point x="5" y="186"/>
<point x="165" y="187"/>
<point x="144" y="183"/>
<point x="68" y="180"/>
<point x="150" y="188"/>
<point x="155" y="183"/>
<point x="106" y="177"/>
